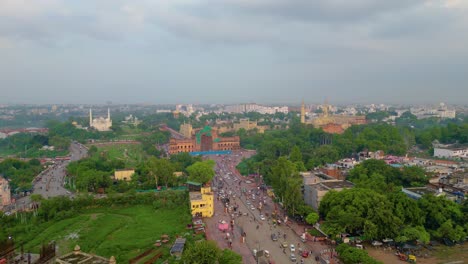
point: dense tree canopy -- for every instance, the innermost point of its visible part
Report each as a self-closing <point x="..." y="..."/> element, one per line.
<point x="201" y="171"/>
<point x="206" y="252"/>
<point x="20" y="173"/>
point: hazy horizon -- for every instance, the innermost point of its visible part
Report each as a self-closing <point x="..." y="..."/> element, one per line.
<point x="233" y="51"/>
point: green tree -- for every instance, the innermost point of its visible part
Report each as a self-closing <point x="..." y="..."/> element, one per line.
<point x="296" y="155"/>
<point x="230" y="257"/>
<point x="161" y="169"/>
<point x="411" y="233"/>
<point x="352" y="255"/>
<point x="201" y="171"/>
<point x="202" y="252"/>
<point x="312" y="218"/>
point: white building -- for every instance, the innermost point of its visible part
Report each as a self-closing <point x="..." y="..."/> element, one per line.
<point x="451" y="152"/>
<point x="101" y="123"/>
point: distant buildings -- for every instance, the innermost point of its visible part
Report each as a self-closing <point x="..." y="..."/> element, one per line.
<point x="101" y="123"/>
<point x="334" y="124"/>
<point x="440" y="112"/>
<point x="132" y="120"/>
<point x="5" y="194"/>
<point x="245" y="108"/>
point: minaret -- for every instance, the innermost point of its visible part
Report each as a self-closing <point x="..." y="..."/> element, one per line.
<point x="90" y="117"/>
<point x="302" y="112"/>
<point x="108" y="114"/>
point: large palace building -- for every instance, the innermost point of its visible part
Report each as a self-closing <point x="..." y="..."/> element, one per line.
<point x="206" y="139"/>
<point x="334" y="124"/>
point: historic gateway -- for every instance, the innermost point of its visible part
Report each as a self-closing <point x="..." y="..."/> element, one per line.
<point x="206" y="139"/>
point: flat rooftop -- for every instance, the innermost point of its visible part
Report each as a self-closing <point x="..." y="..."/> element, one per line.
<point x="194" y="196"/>
<point x="337" y="184"/>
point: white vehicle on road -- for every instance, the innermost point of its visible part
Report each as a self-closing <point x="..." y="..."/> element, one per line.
<point x="292" y="248"/>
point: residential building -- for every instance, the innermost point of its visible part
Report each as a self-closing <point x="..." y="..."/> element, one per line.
<point x="451" y="151"/>
<point x="201" y="200"/>
<point x="316" y="187"/>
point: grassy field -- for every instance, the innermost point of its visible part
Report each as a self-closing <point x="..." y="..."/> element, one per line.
<point x="120" y="232"/>
<point x="132" y="154"/>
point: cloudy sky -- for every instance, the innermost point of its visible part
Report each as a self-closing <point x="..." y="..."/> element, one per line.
<point x="205" y="51"/>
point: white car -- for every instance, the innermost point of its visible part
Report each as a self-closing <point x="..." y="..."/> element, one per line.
<point x="262" y="217"/>
<point x="292" y="248"/>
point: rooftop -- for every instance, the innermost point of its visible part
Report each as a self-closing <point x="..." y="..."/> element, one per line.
<point x="337" y="184"/>
<point x="194" y="196"/>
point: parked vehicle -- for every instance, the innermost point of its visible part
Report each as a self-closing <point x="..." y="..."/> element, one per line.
<point x="292" y="248"/>
<point x="274" y="237"/>
<point x="293" y="257"/>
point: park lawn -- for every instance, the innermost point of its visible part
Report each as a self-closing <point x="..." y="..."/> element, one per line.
<point x="123" y="232"/>
<point x="132" y="154"/>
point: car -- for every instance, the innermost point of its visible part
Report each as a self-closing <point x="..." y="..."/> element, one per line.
<point x="305" y="254"/>
<point x="292" y="247"/>
<point x="376" y="243"/>
<point x="274" y="237"/>
<point x="284" y="245"/>
<point x="252" y="208"/>
<point x="262" y="217"/>
<point x="293" y="257"/>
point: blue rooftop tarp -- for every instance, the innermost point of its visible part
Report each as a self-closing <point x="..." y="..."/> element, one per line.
<point x="220" y="152"/>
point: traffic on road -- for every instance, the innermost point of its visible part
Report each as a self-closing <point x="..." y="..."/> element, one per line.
<point x="259" y="230"/>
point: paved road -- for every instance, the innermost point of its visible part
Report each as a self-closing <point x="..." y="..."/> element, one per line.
<point x="255" y="238"/>
<point x="50" y="182"/>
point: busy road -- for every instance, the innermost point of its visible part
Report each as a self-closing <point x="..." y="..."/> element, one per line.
<point x="50" y="182"/>
<point x="242" y="202"/>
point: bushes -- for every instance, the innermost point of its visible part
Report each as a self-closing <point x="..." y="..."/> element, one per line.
<point x="351" y="255"/>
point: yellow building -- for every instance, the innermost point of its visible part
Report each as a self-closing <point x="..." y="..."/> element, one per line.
<point x="202" y="202"/>
<point x="186" y="130"/>
<point x="124" y="175"/>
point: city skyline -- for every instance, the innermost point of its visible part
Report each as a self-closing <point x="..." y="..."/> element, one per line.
<point x="233" y="51"/>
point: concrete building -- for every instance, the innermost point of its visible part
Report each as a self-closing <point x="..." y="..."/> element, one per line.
<point x="5" y="194"/>
<point x="124" y="175"/>
<point x="202" y="201"/>
<point x="316" y="187"/>
<point x="101" y="123"/>
<point x="451" y="151"/>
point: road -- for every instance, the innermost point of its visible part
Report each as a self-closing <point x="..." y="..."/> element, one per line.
<point x="50" y="182"/>
<point x="256" y="238"/>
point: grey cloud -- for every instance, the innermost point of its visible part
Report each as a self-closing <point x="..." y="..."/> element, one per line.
<point x="324" y="11"/>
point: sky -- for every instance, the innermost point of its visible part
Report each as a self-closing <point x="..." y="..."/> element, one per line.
<point x="233" y="51"/>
